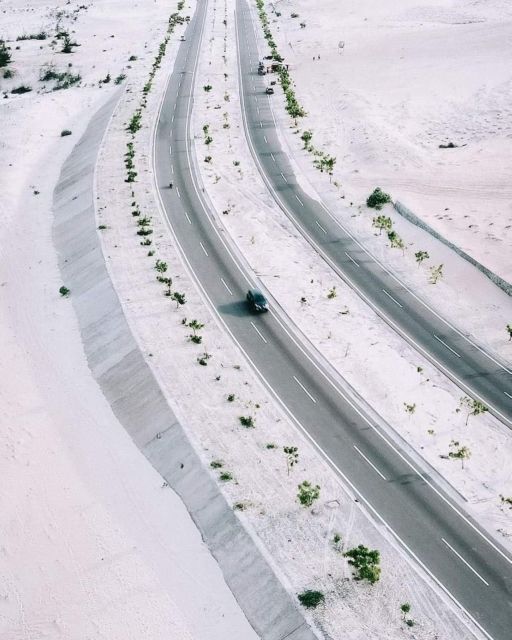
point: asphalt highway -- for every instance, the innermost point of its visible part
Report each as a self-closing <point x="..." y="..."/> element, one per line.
<point x="473" y="570"/>
<point x="478" y="373"/>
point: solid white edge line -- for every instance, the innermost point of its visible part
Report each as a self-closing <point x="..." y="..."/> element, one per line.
<point x="304" y="388"/>
<point x="351" y="258"/>
<point x="202" y="247"/>
<point x="370" y="462"/>
<point x="446" y="345"/>
<point x="465" y="562"/>
<point x="224" y="283"/>
<point x="391" y="298"/>
<point x="259" y="332"/>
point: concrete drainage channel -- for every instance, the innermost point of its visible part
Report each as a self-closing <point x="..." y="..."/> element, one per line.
<point x="139" y="404"/>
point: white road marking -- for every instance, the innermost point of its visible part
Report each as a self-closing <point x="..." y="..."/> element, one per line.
<point x="370" y="463"/>
<point x="272" y="156"/>
<point x="258" y="332"/>
<point x="261" y="125"/>
<point x="507" y="394"/>
<point x="299" y="199"/>
<point x="170" y="150"/>
<point x="284" y="177"/>
<point x="255" y="99"/>
<point x="465" y="562"/>
<point x="178" y="192"/>
<point x="258" y="110"/>
<point x="224" y="283"/>
<point x="351" y="258"/>
<point x="202" y="247"/>
<point x="304" y="388"/>
<point x="189" y="220"/>
<point x="172" y="119"/>
<point x="320" y="226"/>
<point x="391" y="298"/>
<point x="265" y="138"/>
<point x="174" y="108"/>
<point x="446" y="345"/>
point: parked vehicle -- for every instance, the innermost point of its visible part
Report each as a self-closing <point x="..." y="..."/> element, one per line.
<point x="261" y="71"/>
<point x="257" y="301"/>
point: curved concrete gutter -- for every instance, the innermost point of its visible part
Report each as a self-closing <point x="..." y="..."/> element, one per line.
<point x="139" y="404"/>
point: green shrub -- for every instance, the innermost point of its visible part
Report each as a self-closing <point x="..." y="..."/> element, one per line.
<point x="64" y="291"/>
<point x="5" y="55"/>
<point x="311" y="599"/>
<point x="21" y="89"/>
<point x="366" y="562"/>
<point x="377" y="199"/>
<point x="246" y="421"/>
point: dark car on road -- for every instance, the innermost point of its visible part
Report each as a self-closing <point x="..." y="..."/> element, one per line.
<point x="269" y="90"/>
<point x="256" y="300"/>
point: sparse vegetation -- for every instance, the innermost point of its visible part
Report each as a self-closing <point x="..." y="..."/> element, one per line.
<point x="311" y="599"/>
<point x="292" y="457"/>
<point x="509" y="331"/>
<point x="226" y="476"/>
<point x="474" y="407"/>
<point x="207" y="87"/>
<point x="216" y="464"/>
<point x="64" y="291"/>
<point x="5" y="54"/>
<point x="436" y="273"/>
<point x="420" y="256"/>
<point x="382" y="223"/>
<point x="459" y="452"/>
<point x="247" y="421"/>
<point x="377" y="199"/>
<point x="308" y="493"/>
<point x="366" y="562"/>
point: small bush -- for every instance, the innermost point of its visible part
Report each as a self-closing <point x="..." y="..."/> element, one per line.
<point x="226" y="476"/>
<point x="308" y="493"/>
<point x="311" y="599"/>
<point x="5" y="55"/>
<point x="64" y="291"/>
<point x="207" y="87"/>
<point x="377" y="199"/>
<point x="132" y="58"/>
<point x="271" y="445"/>
<point x="195" y="339"/>
<point x="21" y="89"/>
<point x="65" y="132"/>
<point x="246" y="421"/>
<point x="366" y="562"/>
<point x="231" y="397"/>
<point x="120" y="78"/>
<point x="102" y="227"/>
<point x="8" y="73"/>
<point x="216" y="464"/>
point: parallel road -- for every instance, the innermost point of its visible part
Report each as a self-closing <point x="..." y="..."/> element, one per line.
<point x="477" y="372"/>
<point x="473" y="570"/>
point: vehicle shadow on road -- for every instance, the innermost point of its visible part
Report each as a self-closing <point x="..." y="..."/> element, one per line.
<point x="239" y="308"/>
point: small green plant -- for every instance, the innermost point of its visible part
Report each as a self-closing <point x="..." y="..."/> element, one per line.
<point x="308" y="493"/>
<point x="377" y="199"/>
<point x="67" y="43"/>
<point x="5" y="54"/>
<point x="8" y="73"/>
<point x="226" y="476"/>
<point x="208" y="140"/>
<point x="247" y="421"/>
<point x="231" y="397"/>
<point x="459" y="452"/>
<point x="101" y="227"/>
<point x="509" y="331"/>
<point x="405" y="608"/>
<point x="179" y="298"/>
<point x="136" y="122"/>
<point x="366" y="562"/>
<point x="216" y="464"/>
<point x="436" y="273"/>
<point x="240" y="506"/>
<point x="207" y="158"/>
<point x="195" y="325"/>
<point x="207" y="87"/>
<point x="506" y="501"/>
<point x="292" y="457"/>
<point x="160" y="265"/>
<point x="332" y="293"/>
<point x="203" y="359"/>
<point x="395" y="240"/>
<point x="474" y="407"/>
<point x="306" y="137"/>
<point x="132" y="58"/>
<point x="65" y="132"/>
<point x="120" y="78"/>
<point x="410" y="408"/>
<point x="23" y="88"/>
<point x="64" y="291"/>
<point x="420" y="256"/>
<point x="382" y="223"/>
<point x="195" y="339"/>
<point x="337" y="542"/>
<point x="311" y="599"/>
<point x="271" y="445"/>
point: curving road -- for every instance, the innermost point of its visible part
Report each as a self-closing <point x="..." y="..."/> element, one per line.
<point x="447" y="543"/>
<point x="477" y="372"/>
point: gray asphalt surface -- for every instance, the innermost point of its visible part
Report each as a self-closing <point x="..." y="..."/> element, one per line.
<point x="477" y="372"/>
<point x="472" y="569"/>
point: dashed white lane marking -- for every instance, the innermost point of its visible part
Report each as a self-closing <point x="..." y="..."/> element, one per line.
<point x="174" y="108"/>
<point x="224" y="283"/>
<point x="304" y="389"/>
<point x="188" y="218"/>
<point x="272" y="156"/>
<point x="202" y="247"/>
<point x="391" y="298"/>
<point x="465" y="562"/>
<point x="284" y="177"/>
<point x="320" y="226"/>
<point x="258" y="332"/>
<point x="258" y="110"/>
<point x="172" y="119"/>
<point x="255" y="99"/>
<point x="302" y="204"/>
<point x="178" y="192"/>
<point x="507" y="394"/>
<point x="170" y="150"/>
<point x="172" y="168"/>
<point x="265" y="138"/>
<point x="369" y="462"/>
<point x="351" y="258"/>
<point x="446" y="345"/>
<point x="261" y="125"/>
